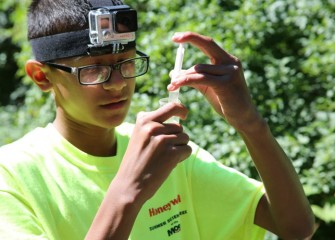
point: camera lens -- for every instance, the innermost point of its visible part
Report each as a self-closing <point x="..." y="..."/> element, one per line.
<point x="126" y="21"/>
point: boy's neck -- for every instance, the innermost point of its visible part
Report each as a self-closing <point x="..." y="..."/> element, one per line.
<point x="91" y="140"/>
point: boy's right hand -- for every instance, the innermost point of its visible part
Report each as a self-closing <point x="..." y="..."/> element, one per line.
<point x="154" y="149"/>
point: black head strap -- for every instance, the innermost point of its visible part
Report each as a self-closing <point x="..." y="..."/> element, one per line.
<point x="71" y="44"/>
<point x="76" y="43"/>
<point x="63" y="45"/>
<point x="98" y="3"/>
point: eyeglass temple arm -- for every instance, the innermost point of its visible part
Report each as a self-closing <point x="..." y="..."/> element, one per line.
<point x="61" y="67"/>
<point x="142" y="54"/>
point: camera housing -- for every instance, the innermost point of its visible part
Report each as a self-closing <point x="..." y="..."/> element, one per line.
<point x="112" y="25"/>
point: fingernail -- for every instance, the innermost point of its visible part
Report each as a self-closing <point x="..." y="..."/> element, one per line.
<point x="171" y="87"/>
<point x="177" y="35"/>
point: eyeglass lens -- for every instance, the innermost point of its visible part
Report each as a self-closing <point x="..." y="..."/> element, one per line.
<point x="128" y="69"/>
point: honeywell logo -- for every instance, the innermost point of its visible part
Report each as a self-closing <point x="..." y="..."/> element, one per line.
<point x="166" y="207"/>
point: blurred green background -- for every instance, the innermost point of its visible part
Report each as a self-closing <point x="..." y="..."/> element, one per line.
<point x="288" y="53"/>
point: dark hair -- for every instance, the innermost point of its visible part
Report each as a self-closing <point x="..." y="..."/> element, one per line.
<point x="49" y="17"/>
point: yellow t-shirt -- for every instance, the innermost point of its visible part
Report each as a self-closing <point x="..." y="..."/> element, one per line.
<point x="51" y="190"/>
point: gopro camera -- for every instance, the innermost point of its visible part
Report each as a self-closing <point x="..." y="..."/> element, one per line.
<point x="112" y="25"/>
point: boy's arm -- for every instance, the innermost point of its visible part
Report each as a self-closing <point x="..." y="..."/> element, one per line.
<point x="285" y="209"/>
<point x="116" y="215"/>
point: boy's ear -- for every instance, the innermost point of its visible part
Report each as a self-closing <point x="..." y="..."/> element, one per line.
<point x="34" y="70"/>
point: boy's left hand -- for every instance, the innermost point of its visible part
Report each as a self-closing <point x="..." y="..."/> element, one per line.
<point x="221" y="82"/>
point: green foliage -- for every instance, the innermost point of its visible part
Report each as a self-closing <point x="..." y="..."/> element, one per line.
<point x="327" y="212"/>
<point x="28" y="107"/>
<point x="287" y="50"/>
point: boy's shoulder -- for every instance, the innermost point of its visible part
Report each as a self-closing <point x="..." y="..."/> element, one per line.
<point x="29" y="147"/>
<point x="28" y="141"/>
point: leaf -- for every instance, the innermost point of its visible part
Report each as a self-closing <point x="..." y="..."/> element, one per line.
<point x="326" y="213"/>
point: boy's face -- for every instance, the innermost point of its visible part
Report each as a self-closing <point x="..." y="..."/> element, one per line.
<point x="104" y="105"/>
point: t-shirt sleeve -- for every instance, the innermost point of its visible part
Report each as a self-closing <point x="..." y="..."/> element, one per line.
<point x="225" y="200"/>
<point x="17" y="219"/>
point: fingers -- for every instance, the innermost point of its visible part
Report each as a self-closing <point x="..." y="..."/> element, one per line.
<point x="217" y="70"/>
<point x="182" y="152"/>
<point x="178" y="139"/>
<point x="163" y="140"/>
<point x="224" y="68"/>
<point x="165" y="112"/>
<point x="208" y="46"/>
<point x="204" y="74"/>
<point x="214" y="69"/>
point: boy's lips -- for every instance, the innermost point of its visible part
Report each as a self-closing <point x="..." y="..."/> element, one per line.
<point x="114" y="104"/>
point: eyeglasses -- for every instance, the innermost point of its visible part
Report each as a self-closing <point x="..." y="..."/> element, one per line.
<point x="97" y="74"/>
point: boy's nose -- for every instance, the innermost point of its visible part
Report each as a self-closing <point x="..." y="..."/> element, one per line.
<point x="115" y="82"/>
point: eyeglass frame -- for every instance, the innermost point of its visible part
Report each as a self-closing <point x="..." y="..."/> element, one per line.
<point x="76" y="70"/>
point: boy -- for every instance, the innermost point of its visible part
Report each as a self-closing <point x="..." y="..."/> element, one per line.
<point x="89" y="175"/>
